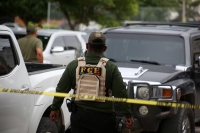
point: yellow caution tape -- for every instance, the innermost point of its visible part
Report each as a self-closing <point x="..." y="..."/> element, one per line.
<point x="90" y="97"/>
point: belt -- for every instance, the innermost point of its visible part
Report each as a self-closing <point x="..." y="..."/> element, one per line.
<point x="80" y="108"/>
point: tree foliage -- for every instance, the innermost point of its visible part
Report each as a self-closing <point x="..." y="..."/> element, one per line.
<point x="194" y="3"/>
<point x="160" y="10"/>
<point x="190" y="7"/>
<point x="105" y="12"/>
<point x="154" y="10"/>
<point x="157" y="3"/>
<point x="27" y="10"/>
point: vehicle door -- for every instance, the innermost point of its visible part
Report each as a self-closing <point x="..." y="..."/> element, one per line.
<point x="196" y="54"/>
<point x="15" y="109"/>
<point x="73" y="43"/>
<point x="60" y="53"/>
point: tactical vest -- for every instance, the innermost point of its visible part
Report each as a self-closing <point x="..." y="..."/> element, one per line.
<point x="90" y="79"/>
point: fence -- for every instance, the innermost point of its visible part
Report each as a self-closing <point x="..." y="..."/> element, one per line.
<point x="156" y="14"/>
<point x="151" y="14"/>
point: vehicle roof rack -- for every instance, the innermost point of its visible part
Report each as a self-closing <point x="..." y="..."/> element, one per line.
<point x="189" y="24"/>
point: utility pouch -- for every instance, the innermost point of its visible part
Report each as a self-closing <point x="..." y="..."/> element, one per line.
<point x="119" y="126"/>
<point x="71" y="105"/>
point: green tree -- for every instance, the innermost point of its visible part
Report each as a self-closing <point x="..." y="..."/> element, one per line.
<point x="157" y="3"/>
<point x="160" y="10"/>
<point x="105" y="12"/>
<point x="194" y="3"/>
<point x="154" y="10"/>
<point x="27" y="10"/>
<point x="190" y="9"/>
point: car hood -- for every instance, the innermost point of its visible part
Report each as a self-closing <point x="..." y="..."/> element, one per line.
<point x="151" y="73"/>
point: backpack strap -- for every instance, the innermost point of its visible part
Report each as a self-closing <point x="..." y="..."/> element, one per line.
<point x="81" y="61"/>
<point x="103" y="62"/>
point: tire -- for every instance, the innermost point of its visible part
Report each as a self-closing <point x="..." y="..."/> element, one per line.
<point x="46" y="125"/>
<point x="182" y="122"/>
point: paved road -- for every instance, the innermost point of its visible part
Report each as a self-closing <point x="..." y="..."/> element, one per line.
<point x="197" y="130"/>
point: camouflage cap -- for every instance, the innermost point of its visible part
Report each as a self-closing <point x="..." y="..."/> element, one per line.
<point x="31" y="29"/>
<point x="97" y="38"/>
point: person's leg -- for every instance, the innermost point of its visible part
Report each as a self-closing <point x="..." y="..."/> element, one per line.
<point x="79" y="122"/>
<point x="104" y="123"/>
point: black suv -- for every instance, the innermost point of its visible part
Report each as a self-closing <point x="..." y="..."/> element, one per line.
<point x="160" y="62"/>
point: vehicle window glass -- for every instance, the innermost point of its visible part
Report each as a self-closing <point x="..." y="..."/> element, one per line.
<point x="166" y="50"/>
<point x="196" y="50"/>
<point x="18" y="36"/>
<point x="85" y="37"/>
<point x="7" y="62"/>
<point x="11" y="26"/>
<point x="72" y="42"/>
<point x="45" y="40"/>
<point x="59" y="42"/>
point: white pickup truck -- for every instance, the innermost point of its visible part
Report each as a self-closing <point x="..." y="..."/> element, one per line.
<point x="59" y="46"/>
<point x="24" y="113"/>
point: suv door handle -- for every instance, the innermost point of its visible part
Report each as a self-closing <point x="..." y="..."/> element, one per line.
<point x="25" y="88"/>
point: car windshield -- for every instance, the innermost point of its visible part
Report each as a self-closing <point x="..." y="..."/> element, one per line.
<point x="152" y="49"/>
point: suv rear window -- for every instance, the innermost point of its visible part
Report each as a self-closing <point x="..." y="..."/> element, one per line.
<point x="165" y="50"/>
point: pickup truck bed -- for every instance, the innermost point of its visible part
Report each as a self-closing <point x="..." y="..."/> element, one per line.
<point x="33" y="68"/>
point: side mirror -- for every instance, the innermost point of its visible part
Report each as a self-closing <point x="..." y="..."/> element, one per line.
<point x="57" y="49"/>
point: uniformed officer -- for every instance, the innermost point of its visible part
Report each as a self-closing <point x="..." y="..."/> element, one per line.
<point x="93" y="116"/>
<point x="31" y="47"/>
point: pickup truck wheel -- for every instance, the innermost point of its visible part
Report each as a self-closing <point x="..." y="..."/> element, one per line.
<point x="46" y="125"/>
<point x="182" y="122"/>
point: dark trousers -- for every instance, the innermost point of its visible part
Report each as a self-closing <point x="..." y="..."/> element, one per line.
<point x="89" y="121"/>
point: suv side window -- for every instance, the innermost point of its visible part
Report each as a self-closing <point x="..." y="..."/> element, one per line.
<point x="7" y="60"/>
<point x="196" y="51"/>
<point x="59" y="42"/>
<point x="18" y="36"/>
<point x="72" y="42"/>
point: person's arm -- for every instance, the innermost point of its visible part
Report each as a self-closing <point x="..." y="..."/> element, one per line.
<point x="39" y="51"/>
<point x="39" y="55"/>
<point x="64" y="86"/>
<point x="119" y="90"/>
